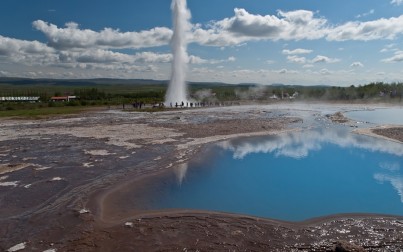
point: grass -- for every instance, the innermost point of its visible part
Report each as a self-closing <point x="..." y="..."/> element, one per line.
<point x="40" y="113"/>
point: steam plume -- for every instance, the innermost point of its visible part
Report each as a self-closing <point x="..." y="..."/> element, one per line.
<point x="177" y="91"/>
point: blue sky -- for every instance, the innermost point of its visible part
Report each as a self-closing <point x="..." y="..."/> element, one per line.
<point x="305" y="42"/>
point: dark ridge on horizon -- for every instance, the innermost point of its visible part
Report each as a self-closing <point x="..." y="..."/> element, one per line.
<point x="107" y="81"/>
<point x="113" y="81"/>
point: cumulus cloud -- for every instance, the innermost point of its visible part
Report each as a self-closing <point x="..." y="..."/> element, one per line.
<point x="71" y="46"/>
<point x="106" y="56"/>
<point x="292" y="25"/>
<point x="357" y="64"/>
<point x="296" y="59"/>
<point x="398" y="57"/>
<point x="197" y="60"/>
<point x="244" y="26"/>
<point x="26" y="52"/>
<point x="397" y="2"/>
<point x="370" y="12"/>
<point x="325" y="71"/>
<point x="389" y="47"/>
<point x="235" y="30"/>
<point x="72" y="36"/>
<point x="151" y="57"/>
<point x="324" y="59"/>
<point x="9" y="46"/>
<point x="296" y="51"/>
<point x="378" y="29"/>
<point x="4" y="73"/>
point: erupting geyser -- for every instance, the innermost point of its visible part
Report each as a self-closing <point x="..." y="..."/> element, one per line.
<point x="177" y="91"/>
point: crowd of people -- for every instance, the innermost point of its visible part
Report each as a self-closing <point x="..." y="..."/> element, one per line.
<point x="140" y="105"/>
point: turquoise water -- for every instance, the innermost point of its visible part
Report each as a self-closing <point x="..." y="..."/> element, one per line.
<point x="293" y="177"/>
<point x="378" y="116"/>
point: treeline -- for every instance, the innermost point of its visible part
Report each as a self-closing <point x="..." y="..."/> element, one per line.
<point x="155" y="93"/>
<point x="373" y="91"/>
<point x="376" y="90"/>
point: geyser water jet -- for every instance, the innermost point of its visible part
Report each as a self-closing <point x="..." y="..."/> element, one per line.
<point x="177" y="90"/>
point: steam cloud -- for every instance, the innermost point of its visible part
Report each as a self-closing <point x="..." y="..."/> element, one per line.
<point x="177" y="91"/>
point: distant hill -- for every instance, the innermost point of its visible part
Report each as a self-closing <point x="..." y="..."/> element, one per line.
<point x="129" y="82"/>
<point x="78" y="82"/>
<point x="107" y="81"/>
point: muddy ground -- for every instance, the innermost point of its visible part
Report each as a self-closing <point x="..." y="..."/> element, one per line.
<point x="55" y="173"/>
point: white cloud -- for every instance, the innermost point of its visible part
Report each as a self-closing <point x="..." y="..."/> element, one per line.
<point x="9" y="46"/>
<point x="236" y="30"/>
<point x="398" y="57"/>
<point x="73" y="37"/>
<point x="372" y="30"/>
<point x="389" y="47"/>
<point x="370" y="12"/>
<point x="397" y="2"/>
<point x="197" y="60"/>
<point x="73" y="47"/>
<point x="357" y="64"/>
<point x="151" y="57"/>
<point x="324" y="59"/>
<point x="4" y="73"/>
<point x="296" y="59"/>
<point x="296" y="51"/>
<point x="325" y="71"/>
<point x="293" y="25"/>
<point x="285" y="71"/>
<point x="101" y="56"/>
<point x="26" y="52"/>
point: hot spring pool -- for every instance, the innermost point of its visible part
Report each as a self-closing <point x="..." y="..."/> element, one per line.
<point x="393" y="115"/>
<point x="292" y="177"/>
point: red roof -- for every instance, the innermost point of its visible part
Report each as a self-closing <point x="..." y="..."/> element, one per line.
<point x="59" y="98"/>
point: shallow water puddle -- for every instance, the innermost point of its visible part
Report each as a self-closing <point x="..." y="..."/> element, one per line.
<point x="392" y="115"/>
<point x="295" y="176"/>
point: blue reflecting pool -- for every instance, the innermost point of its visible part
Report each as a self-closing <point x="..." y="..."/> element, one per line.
<point x="293" y="177"/>
<point x="378" y="116"/>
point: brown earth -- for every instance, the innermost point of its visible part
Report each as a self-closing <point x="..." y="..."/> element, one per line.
<point x="395" y="133"/>
<point x="55" y="172"/>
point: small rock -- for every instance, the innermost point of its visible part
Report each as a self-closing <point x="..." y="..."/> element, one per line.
<point x="18" y="247"/>
<point x="344" y="246"/>
<point x="84" y="211"/>
<point x="56" y="179"/>
<point x="50" y="250"/>
<point x="129" y="224"/>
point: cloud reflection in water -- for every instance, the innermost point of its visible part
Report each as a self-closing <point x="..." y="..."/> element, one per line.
<point x="299" y="144"/>
<point x="395" y="181"/>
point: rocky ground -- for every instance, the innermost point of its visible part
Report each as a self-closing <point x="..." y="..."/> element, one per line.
<point x="55" y="174"/>
<point x="395" y="133"/>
